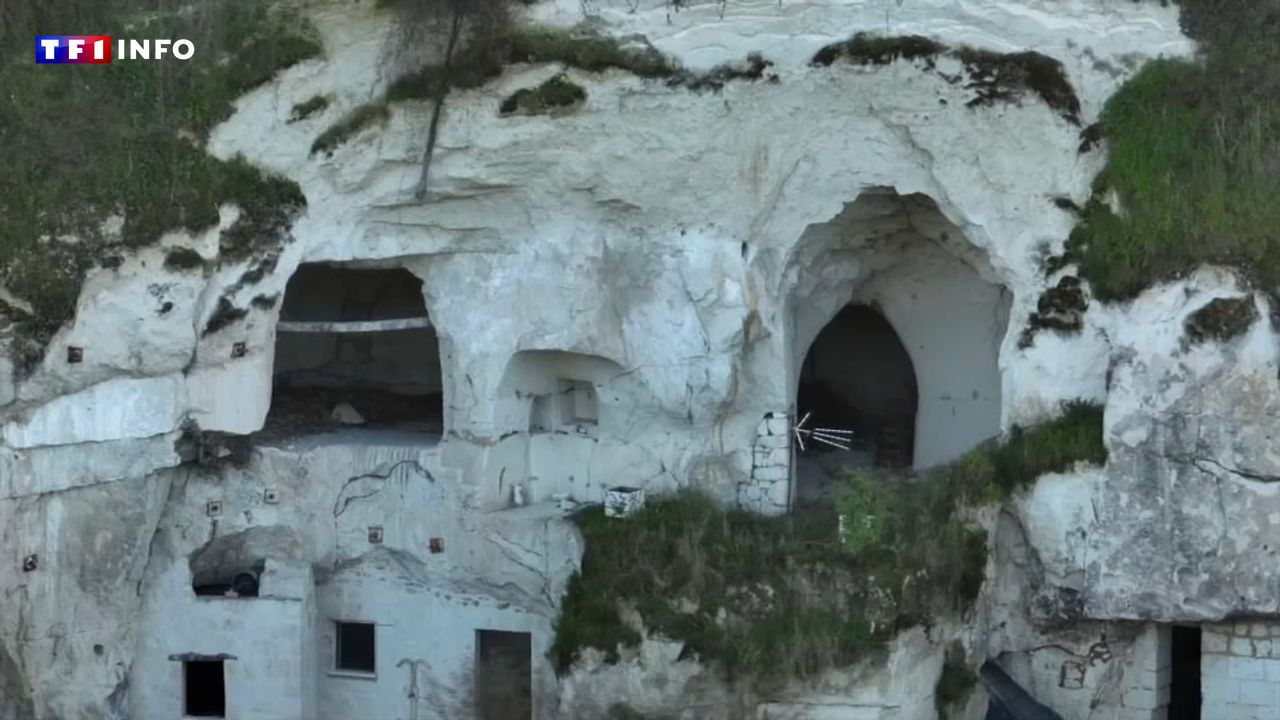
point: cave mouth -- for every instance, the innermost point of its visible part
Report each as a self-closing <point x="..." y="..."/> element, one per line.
<point x="355" y="348"/>
<point x="858" y="377"/>
<point x="896" y="322"/>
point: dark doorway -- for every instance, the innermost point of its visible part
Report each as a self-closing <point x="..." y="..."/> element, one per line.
<point x="1184" y="694"/>
<point x="205" y="688"/>
<point x="856" y="376"/>
<point x="504" y="675"/>
<point x="355" y="347"/>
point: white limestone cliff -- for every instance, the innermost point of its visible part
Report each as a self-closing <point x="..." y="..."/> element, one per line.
<point x="681" y="250"/>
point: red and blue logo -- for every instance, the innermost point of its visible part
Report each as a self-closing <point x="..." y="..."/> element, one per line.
<point x="73" y="49"/>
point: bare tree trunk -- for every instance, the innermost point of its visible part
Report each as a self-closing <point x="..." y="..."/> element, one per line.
<point x="455" y="30"/>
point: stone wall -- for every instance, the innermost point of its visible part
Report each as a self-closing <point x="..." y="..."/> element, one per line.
<point x="768" y="489"/>
<point x="1240" y="671"/>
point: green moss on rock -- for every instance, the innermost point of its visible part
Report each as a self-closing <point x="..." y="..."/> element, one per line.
<point x="307" y="108"/>
<point x="182" y="258"/>
<point x="556" y="95"/>
<point x="752" y="69"/>
<point x="993" y="77"/>
<point x="589" y="50"/>
<point x="352" y="123"/>
<point x="869" y="49"/>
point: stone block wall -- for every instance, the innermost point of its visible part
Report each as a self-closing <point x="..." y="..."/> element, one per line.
<point x="768" y="490"/>
<point x="1240" y="671"/>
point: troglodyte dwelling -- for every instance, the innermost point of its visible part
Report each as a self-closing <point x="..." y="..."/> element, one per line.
<point x="604" y="359"/>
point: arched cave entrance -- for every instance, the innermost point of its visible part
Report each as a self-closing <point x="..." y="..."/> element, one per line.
<point x="896" y="326"/>
<point x="857" y="376"/>
<point x="355" y="348"/>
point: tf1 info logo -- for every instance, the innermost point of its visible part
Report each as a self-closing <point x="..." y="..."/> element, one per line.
<point x="96" y="49"/>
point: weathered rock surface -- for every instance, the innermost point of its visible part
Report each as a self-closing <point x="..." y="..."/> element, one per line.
<point x="680" y="250"/>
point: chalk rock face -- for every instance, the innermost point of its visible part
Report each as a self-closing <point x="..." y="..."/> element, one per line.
<point x="621" y="295"/>
<point x="1183" y="523"/>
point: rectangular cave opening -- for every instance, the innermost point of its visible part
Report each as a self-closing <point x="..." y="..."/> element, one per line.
<point x="355" y="349"/>
<point x="504" y="675"/>
<point x="1185" y="684"/>
<point x="204" y="689"/>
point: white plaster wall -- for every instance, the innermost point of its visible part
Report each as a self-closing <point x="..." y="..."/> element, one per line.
<point x="427" y="621"/>
<point x="264" y="681"/>
<point x="502" y="570"/>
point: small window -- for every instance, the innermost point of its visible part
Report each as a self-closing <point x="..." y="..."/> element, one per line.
<point x="205" y="688"/>
<point x="355" y="648"/>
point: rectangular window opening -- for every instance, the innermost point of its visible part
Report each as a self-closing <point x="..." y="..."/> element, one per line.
<point x="504" y="675"/>
<point x="355" y="651"/>
<point x="205" y="688"/>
